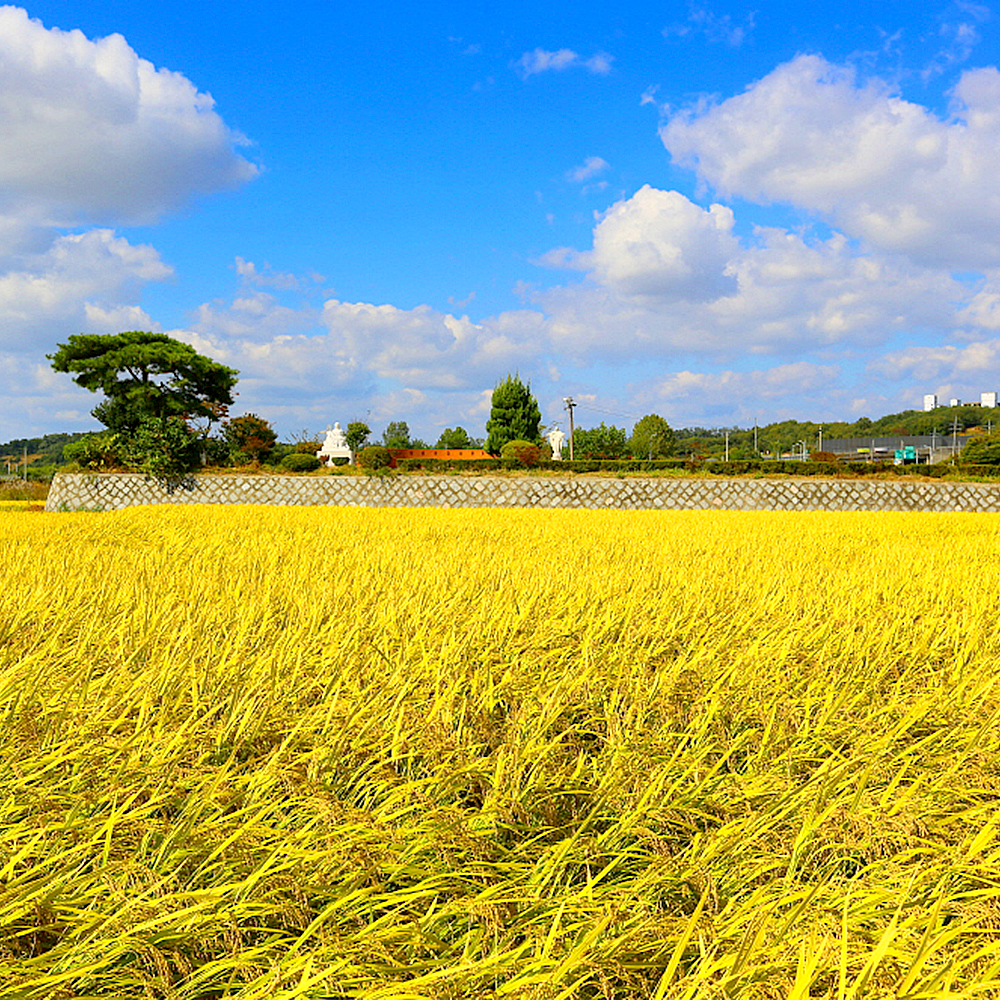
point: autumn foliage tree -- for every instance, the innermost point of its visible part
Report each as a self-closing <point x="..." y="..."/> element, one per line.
<point x="250" y="438"/>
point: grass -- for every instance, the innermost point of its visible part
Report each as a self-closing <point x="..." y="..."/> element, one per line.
<point x="284" y="752"/>
<point x="21" y="490"/>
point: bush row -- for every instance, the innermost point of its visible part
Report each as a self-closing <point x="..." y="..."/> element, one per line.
<point x="734" y="468"/>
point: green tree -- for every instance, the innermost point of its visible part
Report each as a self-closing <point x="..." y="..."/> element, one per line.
<point x="396" y="435"/>
<point x="249" y="437"/>
<point x="357" y="435"/>
<point x="164" y="447"/>
<point x="983" y="450"/>
<point x="514" y="415"/>
<point x="455" y="439"/>
<point x="145" y="375"/>
<point x="599" y="442"/>
<point x="652" y="438"/>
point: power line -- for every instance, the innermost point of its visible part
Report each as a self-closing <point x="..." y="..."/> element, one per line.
<point x="612" y="413"/>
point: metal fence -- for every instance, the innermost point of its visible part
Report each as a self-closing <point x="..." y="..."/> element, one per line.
<point x="865" y="445"/>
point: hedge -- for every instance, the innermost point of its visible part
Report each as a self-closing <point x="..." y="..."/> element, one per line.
<point x="714" y="468"/>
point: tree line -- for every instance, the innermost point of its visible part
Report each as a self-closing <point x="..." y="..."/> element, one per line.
<point x="165" y="409"/>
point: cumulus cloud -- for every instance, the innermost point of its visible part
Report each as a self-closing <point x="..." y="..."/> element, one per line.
<point x="883" y="169"/>
<point x="665" y="279"/>
<point x="543" y="60"/>
<point x="89" y="131"/>
<point x="658" y="243"/>
<point x="667" y="275"/>
<point x="80" y="282"/>
<point x="350" y="348"/>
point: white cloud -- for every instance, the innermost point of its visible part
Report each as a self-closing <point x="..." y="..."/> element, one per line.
<point x="351" y="349"/>
<point x="715" y="28"/>
<point x="960" y="33"/>
<point x="972" y="365"/>
<point x="423" y="348"/>
<point x="34" y="396"/>
<point x="766" y="383"/>
<point x="665" y="279"/>
<point x="90" y="131"/>
<point x="266" y="277"/>
<point x="113" y="319"/>
<point x="77" y="282"/>
<point x="883" y="169"/>
<point x="599" y="62"/>
<point x="565" y="259"/>
<point x="667" y="275"/>
<point x="417" y="364"/>
<point x="542" y="60"/>
<point x="658" y="243"/>
<point x="591" y="167"/>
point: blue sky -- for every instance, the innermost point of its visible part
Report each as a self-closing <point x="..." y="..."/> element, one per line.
<point x="715" y="212"/>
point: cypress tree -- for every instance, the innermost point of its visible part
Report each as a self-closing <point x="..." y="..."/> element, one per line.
<point x="514" y="415"/>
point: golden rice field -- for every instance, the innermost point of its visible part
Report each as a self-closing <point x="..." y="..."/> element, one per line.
<point x="285" y="752"/>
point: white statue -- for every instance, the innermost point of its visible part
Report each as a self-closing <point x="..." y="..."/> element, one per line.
<point x="556" y="438"/>
<point x="334" y="446"/>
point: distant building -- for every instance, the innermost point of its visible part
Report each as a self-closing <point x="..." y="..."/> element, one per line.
<point x="988" y="399"/>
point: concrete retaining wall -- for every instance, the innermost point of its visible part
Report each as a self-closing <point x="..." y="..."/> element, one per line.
<point x="110" y="492"/>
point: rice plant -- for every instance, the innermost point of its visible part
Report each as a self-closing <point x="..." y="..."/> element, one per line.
<point x="330" y="752"/>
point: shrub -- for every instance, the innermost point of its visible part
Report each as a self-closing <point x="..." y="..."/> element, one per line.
<point x="524" y="453"/>
<point x="300" y="462"/>
<point x="449" y="464"/>
<point x="374" y="457"/>
<point x="95" y="451"/>
<point x="164" y="448"/>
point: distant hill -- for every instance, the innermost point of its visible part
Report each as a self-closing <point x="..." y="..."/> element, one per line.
<point x="783" y="436"/>
<point x="45" y="450"/>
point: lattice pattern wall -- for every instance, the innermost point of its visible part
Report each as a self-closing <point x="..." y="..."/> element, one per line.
<point x="110" y="492"/>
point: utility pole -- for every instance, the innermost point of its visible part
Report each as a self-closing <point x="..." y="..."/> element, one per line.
<point x="820" y="437"/>
<point x="755" y="449"/>
<point x="727" y="445"/>
<point x="25" y="463"/>
<point x="954" y="437"/>
<point x="568" y="400"/>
